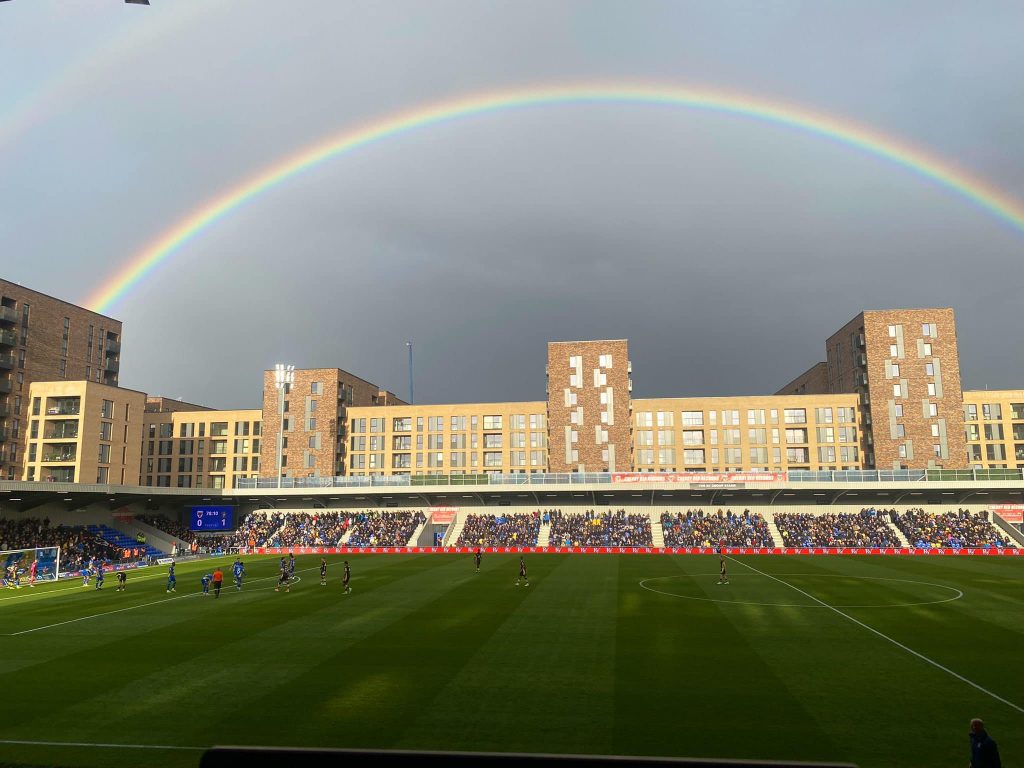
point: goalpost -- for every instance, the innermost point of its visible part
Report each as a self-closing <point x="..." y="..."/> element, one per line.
<point x="47" y="563"/>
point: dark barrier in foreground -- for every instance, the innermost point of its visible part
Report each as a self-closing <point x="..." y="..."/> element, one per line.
<point x="275" y="757"/>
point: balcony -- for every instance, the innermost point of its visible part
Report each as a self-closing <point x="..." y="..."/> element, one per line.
<point x="111" y="366"/>
<point x="8" y="315"/>
<point x="8" y="338"/>
<point x="58" y="475"/>
<point x="61" y="454"/>
<point x="113" y="347"/>
<point x="7" y="362"/>
<point x="61" y="430"/>
<point x="3" y="434"/>
<point x="5" y="410"/>
<point x="5" y="385"/>
<point x="63" y="410"/>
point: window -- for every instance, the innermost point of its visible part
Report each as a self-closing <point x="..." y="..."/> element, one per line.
<point x="899" y="410"/>
<point x="645" y="437"/>
<point x="827" y="454"/>
<point x="971" y="412"/>
<point x="401" y="461"/>
<point x="537" y="421"/>
<point x="102" y="474"/>
<point x="492" y="422"/>
<point x="758" y="456"/>
<point x="358" y="425"/>
<point x="826" y="435"/>
<point x="436" y="423"/>
<point x="847" y="415"/>
<point x="756" y="416"/>
<point x="695" y="436"/>
<point x="106" y="430"/>
<point x="901" y="431"/>
<point x="104" y="454"/>
<point x="929" y="369"/>
<point x="218" y="446"/>
<point x="666" y="456"/>
<point x="316" y="388"/>
<point x="993" y="431"/>
<point x="605" y="361"/>
<point x="401" y="424"/>
<point x="926" y="349"/>
<point x="457" y="442"/>
<point x="310" y="425"/>
<point x="645" y="456"/>
<point x="995" y="452"/>
<point x="516" y="439"/>
<point x="219" y="429"/>
<point x="107" y="409"/>
<point x="931" y="388"/>
<point x="895" y="370"/>
<point x="492" y="441"/>
<point x="693" y="457"/>
<point x="933" y="409"/>
<point x="517" y="422"/>
<point x="242" y="445"/>
<point x="928" y="330"/>
<point x="693" y="418"/>
<point x="796" y="416"/>
<point x="796" y="436"/>
<point x="935" y="430"/>
<point x="731" y="436"/>
<point x="822" y="415"/>
<point x="730" y="418"/>
<point x="492" y="458"/>
<point x="894" y="350"/>
<point x="186" y="447"/>
<point x="797" y="455"/>
<point x="992" y="411"/>
<point x="892" y="331"/>
<point x="377" y="425"/>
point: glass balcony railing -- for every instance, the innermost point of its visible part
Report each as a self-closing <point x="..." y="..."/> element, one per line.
<point x="604" y="478"/>
<point x="59" y="457"/>
<point x="64" y="407"/>
<point x="7" y="362"/>
<point x="5" y="385"/>
<point x="8" y="338"/>
<point x="61" y="430"/>
<point x="8" y="315"/>
<point x="58" y="475"/>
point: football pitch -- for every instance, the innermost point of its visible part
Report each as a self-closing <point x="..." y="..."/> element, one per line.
<point x="880" y="661"/>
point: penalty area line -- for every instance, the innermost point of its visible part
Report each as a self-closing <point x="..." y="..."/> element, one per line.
<point x="882" y="635"/>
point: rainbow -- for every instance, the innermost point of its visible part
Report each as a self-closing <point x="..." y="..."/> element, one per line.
<point x="984" y="194"/>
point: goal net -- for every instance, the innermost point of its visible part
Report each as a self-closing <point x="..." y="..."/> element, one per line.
<point x="17" y="565"/>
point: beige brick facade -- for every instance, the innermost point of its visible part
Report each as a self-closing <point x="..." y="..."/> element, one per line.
<point x="468" y="438"/>
<point x="778" y="433"/>
<point x="589" y="386"/>
<point x="83" y="432"/>
<point x="46" y="339"/>
<point x="994" y="425"/>
<point x="199" y="448"/>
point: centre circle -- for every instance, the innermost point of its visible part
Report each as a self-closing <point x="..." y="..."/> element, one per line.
<point x="955" y="594"/>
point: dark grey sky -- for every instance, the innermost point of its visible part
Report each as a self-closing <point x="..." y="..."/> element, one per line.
<point x="725" y="250"/>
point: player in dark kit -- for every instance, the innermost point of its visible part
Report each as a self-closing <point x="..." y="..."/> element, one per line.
<point x="282" y="580"/>
<point x="522" y="573"/>
<point x="723" y="575"/>
<point x="346" y="577"/>
<point x="291" y="566"/>
<point x="122" y="581"/>
<point x="323" y="571"/>
<point x="476" y="559"/>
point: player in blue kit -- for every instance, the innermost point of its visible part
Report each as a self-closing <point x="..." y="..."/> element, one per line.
<point x="172" y="581"/>
<point x="87" y="573"/>
<point x="238" y="570"/>
<point x="207" y="578"/>
<point x="99" y="576"/>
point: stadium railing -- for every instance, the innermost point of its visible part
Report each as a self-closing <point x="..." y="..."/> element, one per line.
<point x="606" y="478"/>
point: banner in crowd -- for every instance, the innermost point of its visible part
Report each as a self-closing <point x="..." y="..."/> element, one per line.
<point x="639" y="550"/>
<point x="703" y="480"/>
<point x="1011" y="513"/>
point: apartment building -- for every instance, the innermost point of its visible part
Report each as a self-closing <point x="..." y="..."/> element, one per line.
<point x="475" y="438"/>
<point x="83" y="432"/>
<point x="310" y="417"/>
<point x="904" y="367"/>
<point x="771" y="433"/>
<point x="994" y="424"/>
<point x="199" y="448"/>
<point x="46" y="339"/>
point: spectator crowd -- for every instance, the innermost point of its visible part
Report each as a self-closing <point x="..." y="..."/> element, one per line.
<point x="77" y="545"/>
<point x="867" y="528"/>
<point x="385" y="529"/>
<point x="515" y="530"/>
<point x="694" y="528"/>
<point x="597" y="529"/>
<point x="962" y="528"/>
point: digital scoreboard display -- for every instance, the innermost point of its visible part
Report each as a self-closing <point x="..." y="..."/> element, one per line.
<point x="213" y="518"/>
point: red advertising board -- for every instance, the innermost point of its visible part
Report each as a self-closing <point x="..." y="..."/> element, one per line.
<point x="742" y="478"/>
<point x="443" y="515"/>
<point x="648" y="550"/>
<point x="1011" y="513"/>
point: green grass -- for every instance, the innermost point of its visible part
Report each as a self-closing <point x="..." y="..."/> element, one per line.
<point x="426" y="654"/>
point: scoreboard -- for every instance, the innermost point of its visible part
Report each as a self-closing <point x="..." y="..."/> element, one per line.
<point x="213" y="519"/>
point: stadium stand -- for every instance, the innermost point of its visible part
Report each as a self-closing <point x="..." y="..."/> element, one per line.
<point x="119" y="541"/>
<point x="313" y="529"/>
<point x="867" y="528"/>
<point x="384" y="529"/>
<point x="501" y="530"/>
<point x="950" y="529"/>
<point x="593" y="529"/>
<point x="695" y="528"/>
<point x="77" y="545"/>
